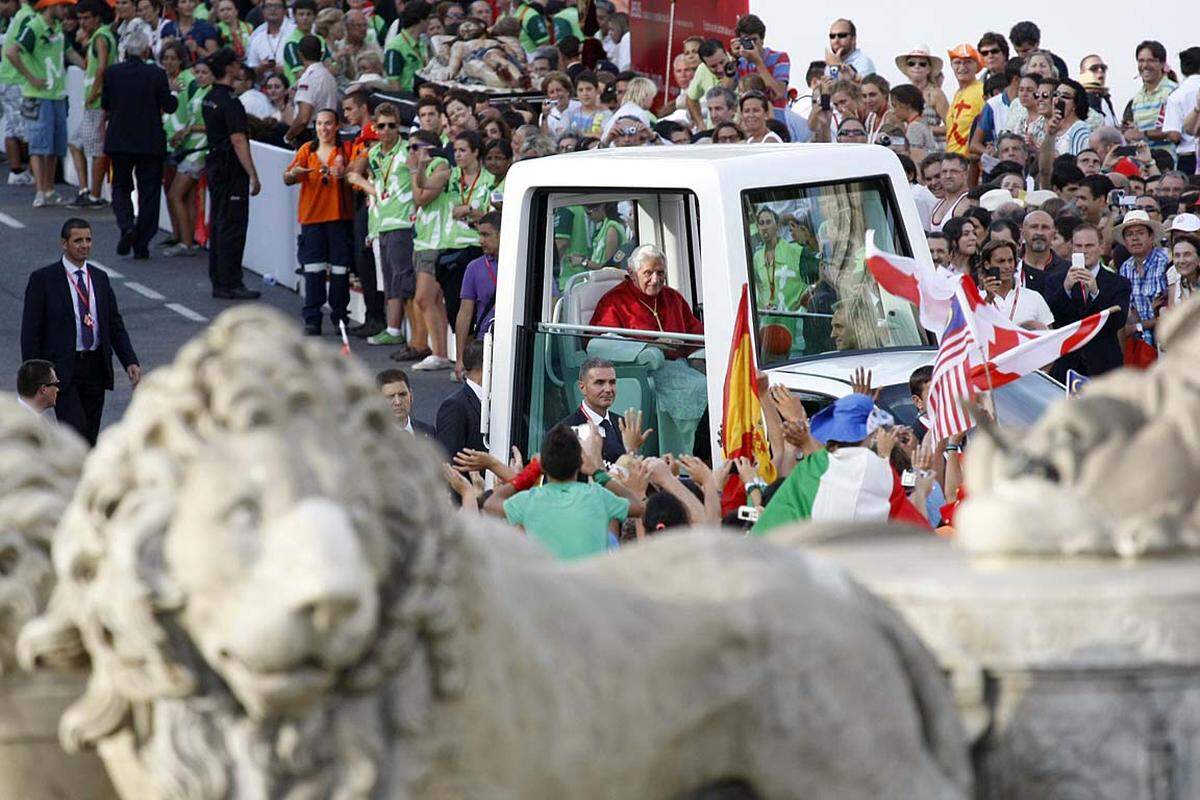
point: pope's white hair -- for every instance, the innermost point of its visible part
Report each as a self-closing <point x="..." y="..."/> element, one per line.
<point x="646" y="252"/>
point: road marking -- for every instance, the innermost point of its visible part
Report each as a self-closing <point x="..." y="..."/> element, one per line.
<point x="112" y="273"/>
<point x="11" y="222"/>
<point x="144" y="291"/>
<point x="186" y="312"/>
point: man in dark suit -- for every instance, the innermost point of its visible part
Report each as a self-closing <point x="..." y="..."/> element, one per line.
<point x="1077" y="292"/>
<point x="598" y="384"/>
<point x="393" y="385"/>
<point x="71" y="319"/>
<point x="136" y="92"/>
<point x="458" y="418"/>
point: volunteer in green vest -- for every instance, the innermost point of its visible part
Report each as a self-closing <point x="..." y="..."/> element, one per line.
<point x="304" y="12"/>
<point x="779" y="283"/>
<point x="11" y="121"/>
<point x="470" y="191"/>
<point x="608" y="236"/>
<point x="189" y="142"/>
<point x="87" y="140"/>
<point x="431" y="179"/>
<point x="535" y="33"/>
<point x="566" y="23"/>
<point x="383" y="174"/>
<point x="37" y="55"/>
<point x="407" y="52"/>
<point x="572" y="241"/>
<point x="174" y="59"/>
<point x="234" y="33"/>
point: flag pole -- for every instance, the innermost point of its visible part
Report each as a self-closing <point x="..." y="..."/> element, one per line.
<point x="969" y="315"/>
<point x="670" y="47"/>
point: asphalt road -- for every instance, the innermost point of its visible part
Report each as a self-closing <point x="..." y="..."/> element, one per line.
<point x="165" y="301"/>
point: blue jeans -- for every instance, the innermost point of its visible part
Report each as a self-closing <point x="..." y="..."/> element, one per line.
<point x="47" y="135"/>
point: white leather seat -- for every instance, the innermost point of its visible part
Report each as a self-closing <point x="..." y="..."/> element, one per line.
<point x="583" y="292"/>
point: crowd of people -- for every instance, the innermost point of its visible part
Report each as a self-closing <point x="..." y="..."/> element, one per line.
<point x="405" y="118"/>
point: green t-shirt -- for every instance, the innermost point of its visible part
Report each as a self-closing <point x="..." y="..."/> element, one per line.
<point x="394" y="206"/>
<point x="781" y="288"/>
<point x="534" y="31"/>
<point x="703" y="80"/>
<point x="475" y="193"/>
<point x="42" y="54"/>
<point x="570" y="223"/>
<point x="93" y="61"/>
<point x="434" y="219"/>
<point x="570" y="519"/>
<point x="292" y="65"/>
<point x="196" y="141"/>
<point x="600" y="242"/>
<point x="403" y="57"/>
<point x="566" y="23"/>
<point x="8" y="73"/>
<point x="202" y="11"/>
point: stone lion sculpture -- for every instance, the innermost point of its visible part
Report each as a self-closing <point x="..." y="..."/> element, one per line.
<point x="279" y="601"/>
<point x="1115" y="471"/>
<point x="40" y="464"/>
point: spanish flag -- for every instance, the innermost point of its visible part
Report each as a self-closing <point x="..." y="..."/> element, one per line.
<point x="745" y="433"/>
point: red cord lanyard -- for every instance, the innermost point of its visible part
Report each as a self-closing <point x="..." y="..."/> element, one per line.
<point x="487" y="264"/>
<point x="465" y="197"/>
<point x="84" y="298"/>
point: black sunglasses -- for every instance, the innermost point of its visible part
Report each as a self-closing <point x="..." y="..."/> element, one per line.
<point x="989" y="52"/>
<point x="918" y="63"/>
<point x="386" y="126"/>
<point x="839" y="35"/>
<point x="56" y="384"/>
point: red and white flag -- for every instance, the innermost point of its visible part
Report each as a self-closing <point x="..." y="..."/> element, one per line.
<point x="1035" y="353"/>
<point x="918" y="282"/>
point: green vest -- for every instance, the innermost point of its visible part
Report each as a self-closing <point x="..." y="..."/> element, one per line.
<point x="201" y="11"/>
<point x="89" y="73"/>
<point x="394" y="209"/>
<point x="402" y="58"/>
<point x="434" y="219"/>
<point x="600" y="241"/>
<point x="181" y="116"/>
<point x="460" y="234"/>
<point x="42" y="54"/>
<point x="226" y="35"/>
<point x="781" y="288"/>
<point x="570" y="223"/>
<point x="566" y="23"/>
<point x="8" y="73"/>
<point x="534" y="32"/>
<point x="292" y="65"/>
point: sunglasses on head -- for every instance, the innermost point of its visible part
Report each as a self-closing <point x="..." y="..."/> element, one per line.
<point x="839" y="35"/>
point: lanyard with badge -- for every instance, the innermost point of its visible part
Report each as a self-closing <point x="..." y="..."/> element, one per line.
<point x="388" y="173"/>
<point x="84" y="298"/>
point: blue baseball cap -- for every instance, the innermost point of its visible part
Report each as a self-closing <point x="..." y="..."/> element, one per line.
<point x="844" y="421"/>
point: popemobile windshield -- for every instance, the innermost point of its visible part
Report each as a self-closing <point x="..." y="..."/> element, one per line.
<point x="788" y="220"/>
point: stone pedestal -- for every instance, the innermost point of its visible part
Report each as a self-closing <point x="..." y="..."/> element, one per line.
<point x="33" y="765"/>
<point x="1079" y="677"/>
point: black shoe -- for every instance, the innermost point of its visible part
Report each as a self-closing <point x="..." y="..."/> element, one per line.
<point x="312" y="330"/>
<point x="125" y="243"/>
<point x="141" y="255"/>
<point x="368" y="328"/>
<point x="240" y="293"/>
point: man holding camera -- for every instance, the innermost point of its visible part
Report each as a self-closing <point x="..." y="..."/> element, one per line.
<point x="754" y="58"/>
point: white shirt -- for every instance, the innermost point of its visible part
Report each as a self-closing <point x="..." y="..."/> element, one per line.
<point x="86" y="284"/>
<point x="557" y="121"/>
<point x="861" y="62"/>
<point x="618" y="52"/>
<point x="263" y="46"/>
<point x="594" y="417"/>
<point x="474" y="387"/>
<point x="1179" y="103"/>
<point x="770" y="137"/>
<point x="317" y="87"/>
<point x="32" y="410"/>
<point x="1024" y="305"/>
<point x="258" y="105"/>
<point x="926" y="201"/>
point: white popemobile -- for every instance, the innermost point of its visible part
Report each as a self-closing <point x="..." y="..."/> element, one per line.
<point x="788" y="220"/>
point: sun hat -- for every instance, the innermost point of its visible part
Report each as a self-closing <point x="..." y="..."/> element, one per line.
<point x="1185" y="223"/>
<point x="965" y="50"/>
<point x="843" y="421"/>
<point x="993" y="199"/>
<point x="1136" y="217"/>
<point x="1039" y="196"/>
<point x="921" y="51"/>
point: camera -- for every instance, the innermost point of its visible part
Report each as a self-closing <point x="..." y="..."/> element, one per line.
<point x="1060" y="106"/>
<point x="747" y="514"/>
<point x="908" y="479"/>
<point x="992" y="272"/>
<point x="825" y="106"/>
<point x="1125" y="150"/>
<point x="730" y="69"/>
<point x="628" y="131"/>
<point x="834" y="71"/>
<point x="746" y="42"/>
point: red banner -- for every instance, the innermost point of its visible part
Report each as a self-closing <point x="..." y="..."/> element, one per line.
<point x="654" y="40"/>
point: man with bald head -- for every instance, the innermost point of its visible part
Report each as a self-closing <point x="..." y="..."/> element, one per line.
<point x="1037" y="256"/>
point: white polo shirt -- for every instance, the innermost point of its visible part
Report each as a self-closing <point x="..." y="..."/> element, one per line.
<point x="317" y="87"/>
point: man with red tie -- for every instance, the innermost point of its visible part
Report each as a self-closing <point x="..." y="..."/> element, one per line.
<point x="71" y="319"/>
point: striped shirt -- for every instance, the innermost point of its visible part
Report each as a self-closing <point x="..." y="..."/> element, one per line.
<point x="777" y="62"/>
<point x="1148" y="107"/>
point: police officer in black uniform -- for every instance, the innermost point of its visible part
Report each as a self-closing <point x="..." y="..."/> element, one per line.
<point x="232" y="179"/>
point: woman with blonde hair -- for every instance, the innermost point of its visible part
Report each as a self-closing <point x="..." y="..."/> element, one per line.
<point x="639" y="96"/>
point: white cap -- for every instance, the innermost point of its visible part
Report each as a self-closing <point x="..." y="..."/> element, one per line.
<point x="1186" y="223"/>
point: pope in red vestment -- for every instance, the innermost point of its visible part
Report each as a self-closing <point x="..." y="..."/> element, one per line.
<point x="627" y="306"/>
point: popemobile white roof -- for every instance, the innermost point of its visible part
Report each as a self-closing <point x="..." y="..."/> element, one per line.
<point x="731" y="166"/>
